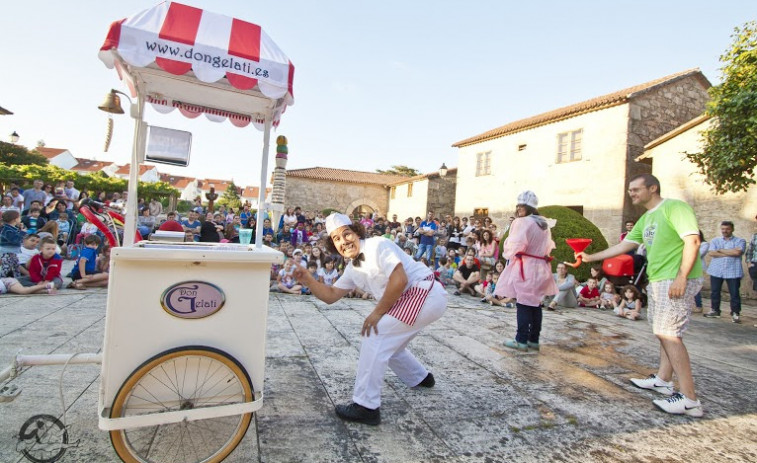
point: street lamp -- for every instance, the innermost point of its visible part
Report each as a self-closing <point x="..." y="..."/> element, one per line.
<point x="443" y="170"/>
<point x="14" y="137"/>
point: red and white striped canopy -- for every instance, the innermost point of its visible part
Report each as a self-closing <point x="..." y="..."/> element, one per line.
<point x="187" y="41"/>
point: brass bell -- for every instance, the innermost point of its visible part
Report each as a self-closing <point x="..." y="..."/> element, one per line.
<point x="112" y="103"/>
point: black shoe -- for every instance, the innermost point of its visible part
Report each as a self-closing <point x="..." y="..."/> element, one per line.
<point x="428" y="381"/>
<point x="712" y="314"/>
<point x="457" y="293"/>
<point x="358" y="414"/>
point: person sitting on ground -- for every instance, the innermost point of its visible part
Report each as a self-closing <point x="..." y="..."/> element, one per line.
<point x="566" y="287"/>
<point x="50" y="229"/>
<point x="485" y="287"/>
<point x="12" y="285"/>
<point x="29" y="249"/>
<point x="171" y="224"/>
<point x="33" y="221"/>
<point x="145" y="222"/>
<point x="328" y="274"/>
<point x="11" y="239"/>
<point x="286" y="282"/>
<point x="466" y="276"/>
<point x="589" y="295"/>
<point x="630" y="306"/>
<point x="608" y="298"/>
<point x="192" y="224"/>
<point x="46" y="266"/>
<point x="445" y="272"/>
<point x="313" y="270"/>
<point x="64" y="228"/>
<point x="84" y="273"/>
<point x="103" y="260"/>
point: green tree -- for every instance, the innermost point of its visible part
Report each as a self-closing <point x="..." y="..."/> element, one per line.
<point x="231" y="197"/>
<point x="404" y="171"/>
<point x="729" y="156"/>
<point x="14" y="155"/>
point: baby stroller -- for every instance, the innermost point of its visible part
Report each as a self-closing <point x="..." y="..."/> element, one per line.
<point x="627" y="269"/>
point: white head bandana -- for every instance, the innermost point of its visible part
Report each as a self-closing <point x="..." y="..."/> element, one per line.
<point x="528" y="198"/>
<point x="336" y="220"/>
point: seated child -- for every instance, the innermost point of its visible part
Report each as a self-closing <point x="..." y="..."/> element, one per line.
<point x="630" y="306"/>
<point x="84" y="273"/>
<point x="11" y="239"/>
<point x="32" y="221"/>
<point x="484" y="286"/>
<point x="440" y="250"/>
<point x="589" y="295"/>
<point x="445" y="271"/>
<point x="46" y="266"/>
<point x="29" y="249"/>
<point x="64" y="228"/>
<point x="286" y="282"/>
<point x="103" y="260"/>
<point x="313" y="269"/>
<point x="87" y="229"/>
<point x="12" y="285"/>
<point x="608" y="299"/>
<point x="496" y="300"/>
<point x="328" y="274"/>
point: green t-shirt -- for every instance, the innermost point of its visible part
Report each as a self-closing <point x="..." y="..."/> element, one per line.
<point x="661" y="230"/>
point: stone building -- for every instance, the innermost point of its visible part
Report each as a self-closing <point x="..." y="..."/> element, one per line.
<point x="415" y="196"/>
<point x="680" y="179"/>
<point x="580" y="155"/>
<point x="348" y="191"/>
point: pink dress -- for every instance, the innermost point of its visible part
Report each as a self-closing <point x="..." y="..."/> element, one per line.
<point x="527" y="279"/>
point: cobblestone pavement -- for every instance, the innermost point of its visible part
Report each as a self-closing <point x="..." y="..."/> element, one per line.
<point x="570" y="402"/>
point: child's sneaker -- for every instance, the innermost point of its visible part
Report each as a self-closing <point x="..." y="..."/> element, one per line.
<point x="653" y="383"/>
<point x="679" y="404"/>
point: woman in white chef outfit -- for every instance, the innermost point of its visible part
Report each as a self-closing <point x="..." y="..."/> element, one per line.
<point x="408" y="300"/>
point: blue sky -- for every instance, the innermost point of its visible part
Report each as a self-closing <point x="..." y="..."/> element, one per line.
<point x="376" y="83"/>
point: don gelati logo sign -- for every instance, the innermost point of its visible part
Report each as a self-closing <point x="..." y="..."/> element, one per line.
<point x="192" y="299"/>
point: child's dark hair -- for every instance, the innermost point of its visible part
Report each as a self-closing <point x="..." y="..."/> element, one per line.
<point x="10" y="216"/>
<point x="46" y="240"/>
<point x="356" y="227"/>
<point x="312" y="264"/>
<point x="31" y="235"/>
<point x="634" y="289"/>
<point x="91" y="239"/>
<point x="442" y="260"/>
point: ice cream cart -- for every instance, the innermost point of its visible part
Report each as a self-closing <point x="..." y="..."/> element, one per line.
<point x="184" y="346"/>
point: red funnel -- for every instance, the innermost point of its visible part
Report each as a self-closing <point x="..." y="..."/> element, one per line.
<point x="578" y="245"/>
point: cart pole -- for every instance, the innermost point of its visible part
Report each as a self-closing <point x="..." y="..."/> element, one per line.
<point x="261" y="190"/>
<point x="130" y="227"/>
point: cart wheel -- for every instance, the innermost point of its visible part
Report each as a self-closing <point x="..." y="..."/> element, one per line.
<point x="179" y="379"/>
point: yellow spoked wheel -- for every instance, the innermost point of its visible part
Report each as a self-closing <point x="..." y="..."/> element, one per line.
<point x="181" y="379"/>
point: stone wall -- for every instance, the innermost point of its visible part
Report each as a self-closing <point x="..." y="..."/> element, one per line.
<point x="441" y="194"/>
<point x="316" y="195"/>
<point x="655" y="113"/>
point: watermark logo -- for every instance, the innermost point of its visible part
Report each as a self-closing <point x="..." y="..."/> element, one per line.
<point x="192" y="299"/>
<point x="43" y="439"/>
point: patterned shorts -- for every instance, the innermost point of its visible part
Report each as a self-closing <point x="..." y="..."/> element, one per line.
<point x="670" y="317"/>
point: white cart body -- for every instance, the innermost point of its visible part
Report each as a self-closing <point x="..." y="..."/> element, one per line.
<point x="226" y="69"/>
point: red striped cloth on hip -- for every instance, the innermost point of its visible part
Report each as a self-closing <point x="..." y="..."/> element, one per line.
<point x="410" y="303"/>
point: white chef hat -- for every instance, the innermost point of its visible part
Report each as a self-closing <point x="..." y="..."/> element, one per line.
<point x="528" y="198"/>
<point x="336" y="220"/>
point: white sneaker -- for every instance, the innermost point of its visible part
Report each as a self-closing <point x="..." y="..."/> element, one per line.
<point x="653" y="383"/>
<point x="678" y="404"/>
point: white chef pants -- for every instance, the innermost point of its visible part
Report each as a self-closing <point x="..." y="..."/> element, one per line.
<point x="389" y="348"/>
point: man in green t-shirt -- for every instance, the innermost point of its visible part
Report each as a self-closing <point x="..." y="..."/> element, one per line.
<point x="670" y="234"/>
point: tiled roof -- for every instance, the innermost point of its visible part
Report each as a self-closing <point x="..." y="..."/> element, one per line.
<point x="176" y="181"/>
<point x="347" y="176"/>
<point x="250" y="192"/>
<point x="451" y="170"/>
<point x="594" y="104"/>
<point x="124" y="170"/>
<point x="90" y="165"/>
<point x="49" y="153"/>
<point x="220" y="185"/>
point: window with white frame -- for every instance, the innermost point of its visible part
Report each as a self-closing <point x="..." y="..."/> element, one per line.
<point x="569" y="146"/>
<point x="483" y="163"/>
